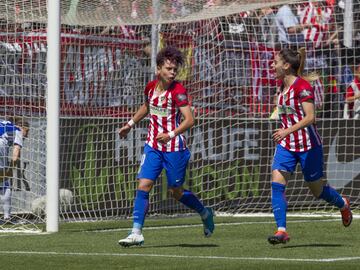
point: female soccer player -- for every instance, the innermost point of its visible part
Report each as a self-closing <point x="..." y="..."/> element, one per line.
<point x="11" y="135"/>
<point x="165" y="148"/>
<point x="298" y="141"/>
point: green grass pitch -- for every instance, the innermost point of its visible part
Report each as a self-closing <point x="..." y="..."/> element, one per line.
<point x="178" y="243"/>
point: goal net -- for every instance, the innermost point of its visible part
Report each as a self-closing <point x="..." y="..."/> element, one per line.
<point x="107" y="47"/>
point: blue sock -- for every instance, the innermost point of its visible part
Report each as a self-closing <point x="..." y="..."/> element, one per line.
<point x="332" y="196"/>
<point x="279" y="204"/>
<point x="141" y="207"/>
<point x="191" y="201"/>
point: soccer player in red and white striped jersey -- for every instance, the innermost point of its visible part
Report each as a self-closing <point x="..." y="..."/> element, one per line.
<point x="166" y="100"/>
<point x="165" y="115"/>
<point x="298" y="141"/>
<point x="291" y="112"/>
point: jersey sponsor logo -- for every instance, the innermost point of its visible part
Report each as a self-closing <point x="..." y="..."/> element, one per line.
<point x="339" y="174"/>
<point x="285" y="110"/>
<point x="181" y="97"/>
<point x="158" y="111"/>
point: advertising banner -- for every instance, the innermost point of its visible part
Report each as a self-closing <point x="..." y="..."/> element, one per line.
<point x="230" y="166"/>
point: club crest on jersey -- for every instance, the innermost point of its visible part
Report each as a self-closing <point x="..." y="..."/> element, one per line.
<point x="162" y="99"/>
<point x="181" y="97"/>
<point x="305" y="93"/>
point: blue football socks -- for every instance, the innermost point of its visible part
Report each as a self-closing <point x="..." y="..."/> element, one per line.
<point x="279" y="204"/>
<point x="141" y="207"/>
<point x="332" y="196"/>
<point x="191" y="201"/>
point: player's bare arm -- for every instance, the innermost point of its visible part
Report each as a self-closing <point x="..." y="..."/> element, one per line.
<point x="352" y="99"/>
<point x="187" y="123"/>
<point x="142" y="112"/>
<point x="15" y="154"/>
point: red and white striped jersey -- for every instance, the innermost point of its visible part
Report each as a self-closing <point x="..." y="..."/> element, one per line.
<point x="291" y="112"/>
<point x="165" y="115"/>
<point x="319" y="18"/>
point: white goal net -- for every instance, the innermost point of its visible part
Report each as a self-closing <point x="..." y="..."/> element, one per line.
<point x="229" y="46"/>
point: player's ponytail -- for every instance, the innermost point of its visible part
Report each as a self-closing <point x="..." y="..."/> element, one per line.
<point x="310" y="77"/>
<point x="302" y="58"/>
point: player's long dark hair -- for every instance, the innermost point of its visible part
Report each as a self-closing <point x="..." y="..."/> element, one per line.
<point x="296" y="59"/>
<point x="18" y="121"/>
<point x="169" y="53"/>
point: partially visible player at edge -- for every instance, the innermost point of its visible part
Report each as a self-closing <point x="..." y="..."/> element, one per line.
<point x="12" y="133"/>
<point x="298" y="141"/>
<point x="165" y="148"/>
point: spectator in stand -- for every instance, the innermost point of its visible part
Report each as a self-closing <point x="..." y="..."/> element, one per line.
<point x="352" y="105"/>
<point x="289" y="28"/>
<point x="212" y="3"/>
<point x="267" y="21"/>
<point x="125" y="11"/>
<point x="322" y="44"/>
<point x="318" y="16"/>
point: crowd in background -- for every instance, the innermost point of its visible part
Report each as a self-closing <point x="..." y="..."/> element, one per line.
<point x="232" y="55"/>
<point x="316" y="25"/>
<point x="319" y="27"/>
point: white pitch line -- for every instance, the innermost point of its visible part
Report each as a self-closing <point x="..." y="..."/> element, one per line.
<point x="53" y="253"/>
<point x="216" y="224"/>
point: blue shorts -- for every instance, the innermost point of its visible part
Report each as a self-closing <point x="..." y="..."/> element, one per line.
<point x="154" y="161"/>
<point x="311" y="162"/>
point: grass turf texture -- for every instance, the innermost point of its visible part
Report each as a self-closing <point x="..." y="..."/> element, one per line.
<point x="238" y="243"/>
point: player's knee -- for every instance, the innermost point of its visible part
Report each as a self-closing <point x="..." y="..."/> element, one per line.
<point x="316" y="187"/>
<point x="316" y="193"/>
<point x="176" y="193"/>
<point x="145" y="185"/>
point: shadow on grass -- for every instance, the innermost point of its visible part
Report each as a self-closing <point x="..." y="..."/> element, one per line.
<point x="182" y="246"/>
<point x="313" y="245"/>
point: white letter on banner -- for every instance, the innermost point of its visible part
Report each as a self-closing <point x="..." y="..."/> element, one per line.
<point x="250" y="144"/>
<point x="197" y="145"/>
<point x="69" y="87"/>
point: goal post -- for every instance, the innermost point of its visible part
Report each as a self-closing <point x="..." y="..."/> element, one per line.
<point x="53" y="116"/>
<point x="102" y="57"/>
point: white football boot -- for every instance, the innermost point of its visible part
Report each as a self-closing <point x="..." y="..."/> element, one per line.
<point x="133" y="239"/>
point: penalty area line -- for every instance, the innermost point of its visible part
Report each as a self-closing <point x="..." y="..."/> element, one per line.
<point x="53" y="253"/>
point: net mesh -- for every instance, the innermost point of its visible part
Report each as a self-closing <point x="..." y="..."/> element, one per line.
<point x="134" y="12"/>
<point x="228" y="46"/>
